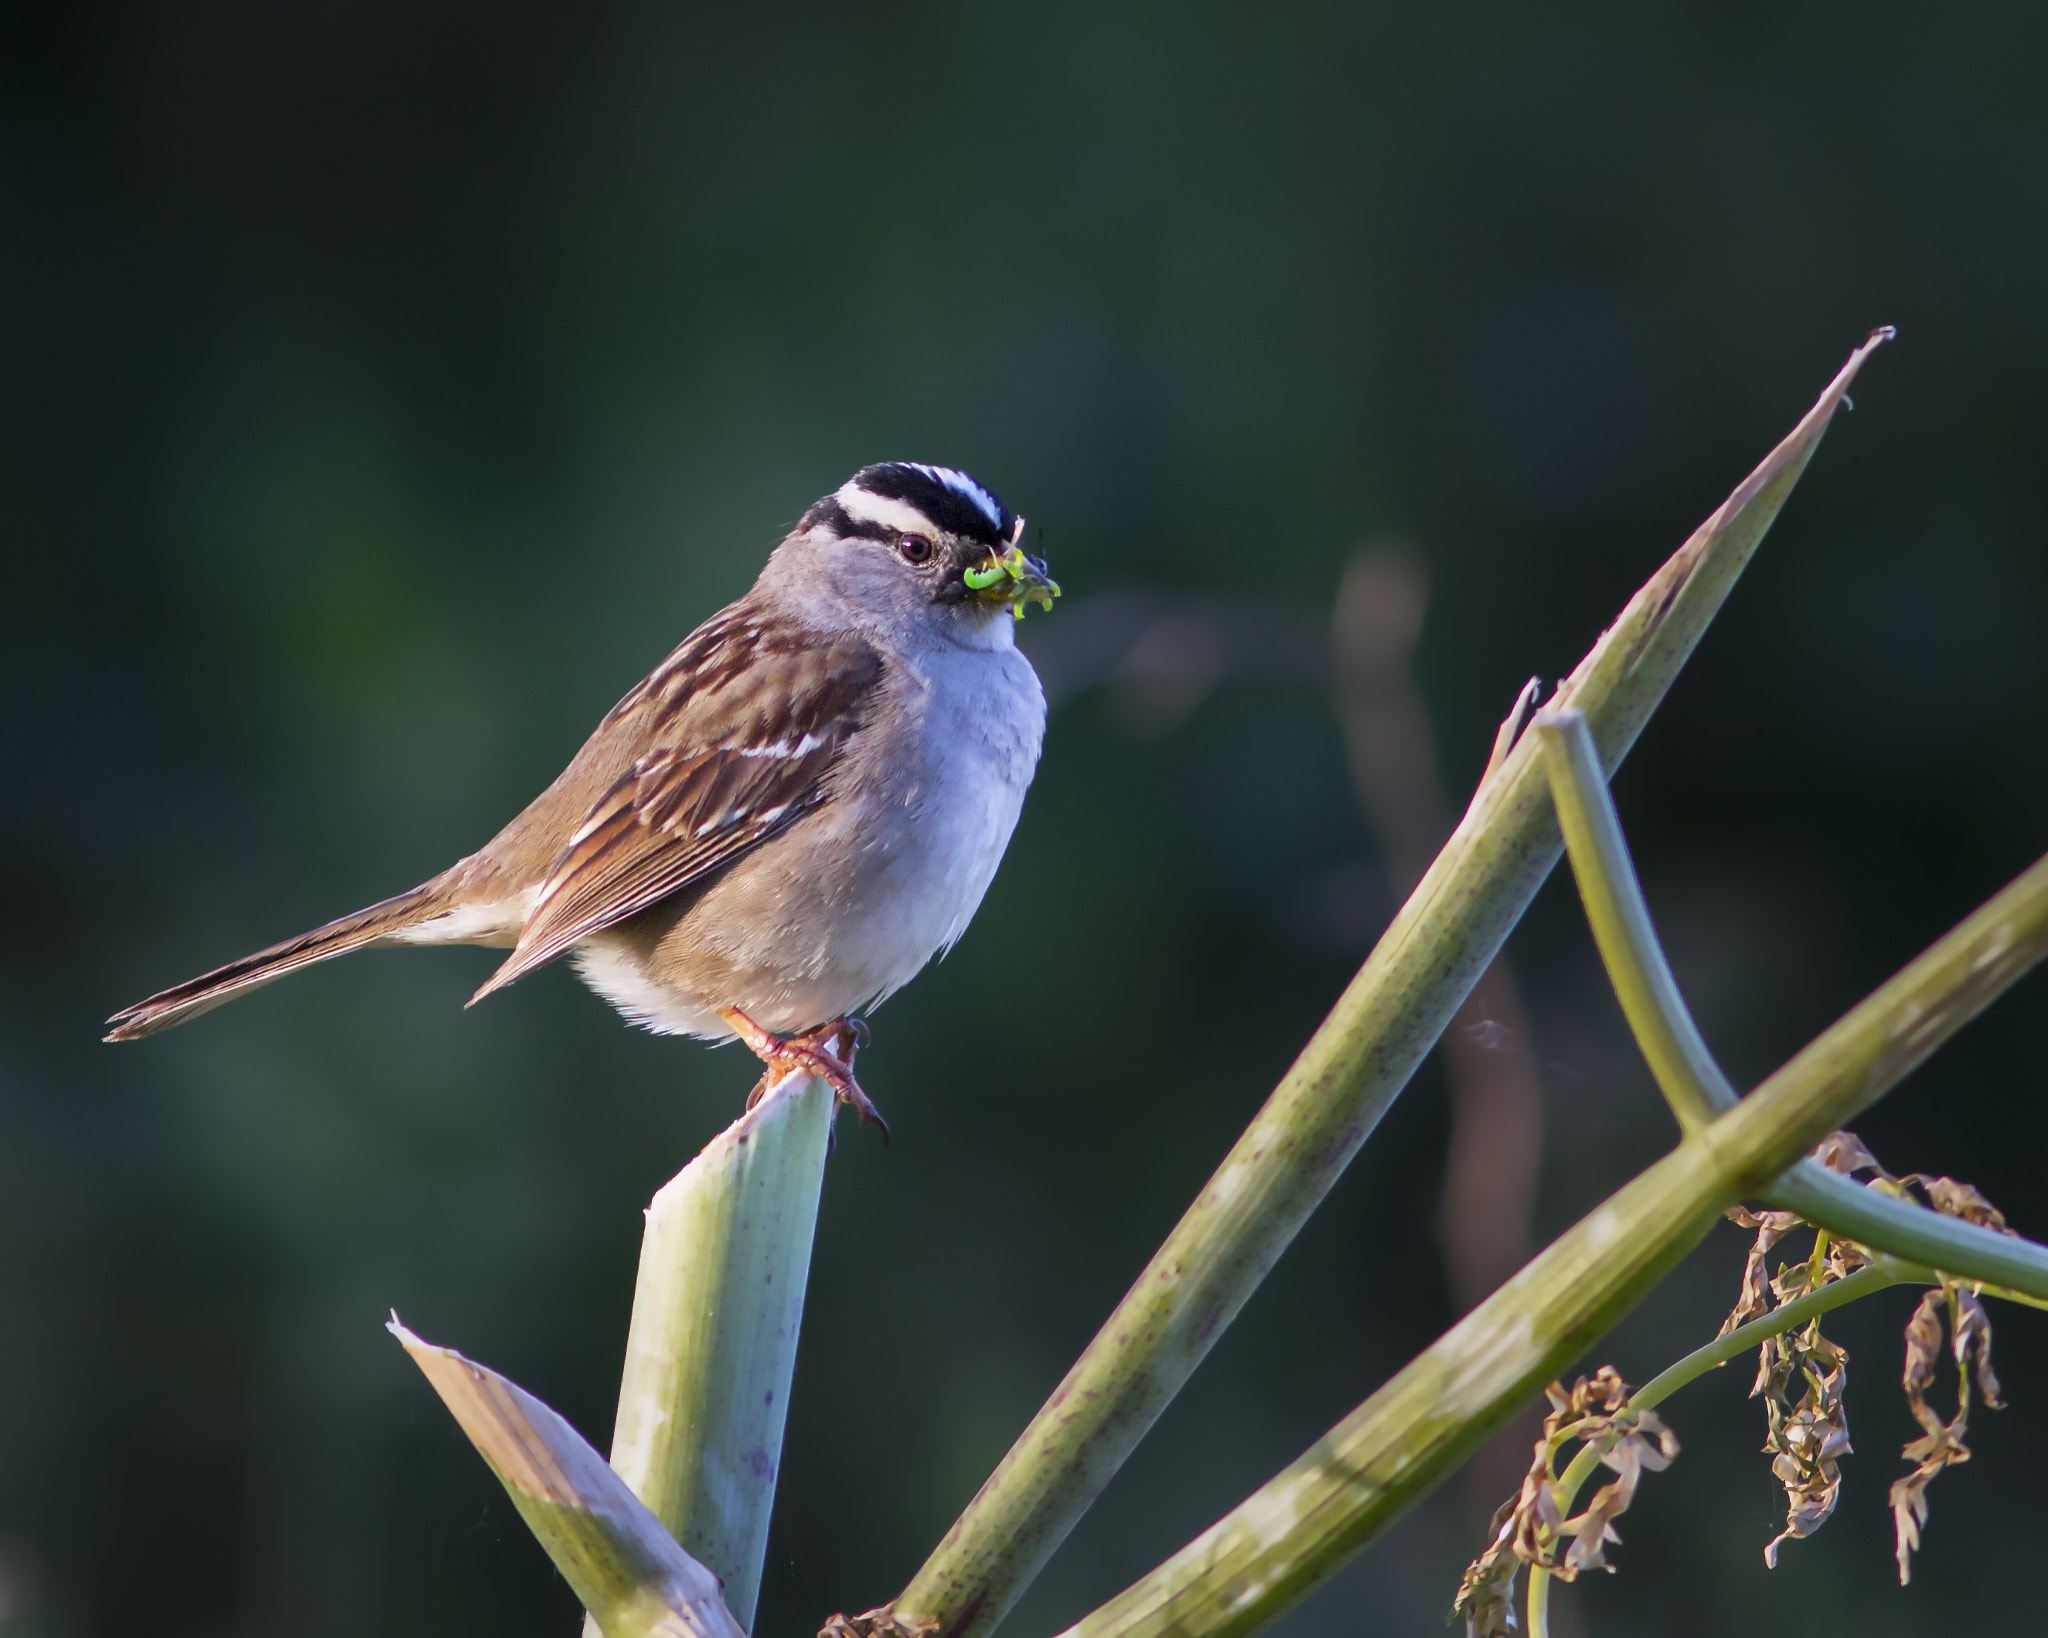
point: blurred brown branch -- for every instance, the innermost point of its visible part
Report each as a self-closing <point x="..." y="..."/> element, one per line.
<point x="1158" y="659"/>
<point x="1496" y="1100"/>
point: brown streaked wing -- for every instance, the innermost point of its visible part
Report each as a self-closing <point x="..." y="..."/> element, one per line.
<point x="743" y="746"/>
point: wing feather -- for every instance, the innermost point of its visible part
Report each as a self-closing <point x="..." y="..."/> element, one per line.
<point x="747" y="724"/>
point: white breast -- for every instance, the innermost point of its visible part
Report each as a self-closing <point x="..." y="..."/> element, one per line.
<point x="948" y="808"/>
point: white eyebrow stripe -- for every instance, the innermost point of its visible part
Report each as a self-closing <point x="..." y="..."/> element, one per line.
<point x="890" y="514"/>
<point x="963" y="486"/>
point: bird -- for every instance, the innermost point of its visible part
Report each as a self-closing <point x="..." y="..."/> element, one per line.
<point x="786" y="820"/>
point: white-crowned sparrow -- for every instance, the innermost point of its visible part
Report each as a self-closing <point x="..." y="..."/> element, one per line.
<point x="801" y="806"/>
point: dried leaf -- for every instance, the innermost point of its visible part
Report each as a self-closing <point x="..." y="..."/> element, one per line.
<point x="1533" y="1530"/>
<point x="1953" y="1199"/>
<point x="1909" y="1512"/>
<point x="1973" y="1332"/>
<point x="1771" y="1227"/>
<point x="1923" y="1348"/>
<point x="1841" y="1259"/>
<point x="1800" y="1375"/>
<point x="1810" y="1433"/>
<point x="1938" y="1450"/>
<point x="1486" y="1595"/>
<point x="1844" y="1152"/>
<point x="1600" y="1394"/>
<point x="1942" y="1446"/>
<point x="1806" y="1440"/>
<point x="1631" y="1456"/>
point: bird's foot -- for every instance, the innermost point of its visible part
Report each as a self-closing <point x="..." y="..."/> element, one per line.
<point x="882" y="1623"/>
<point x="825" y="1052"/>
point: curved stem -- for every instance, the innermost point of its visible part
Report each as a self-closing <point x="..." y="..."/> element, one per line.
<point x="1692" y="1083"/>
<point x="1539" y="1603"/>
<point x="1898" y="1226"/>
<point x="1685" y="1070"/>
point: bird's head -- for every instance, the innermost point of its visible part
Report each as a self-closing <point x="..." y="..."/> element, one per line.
<point x="903" y="535"/>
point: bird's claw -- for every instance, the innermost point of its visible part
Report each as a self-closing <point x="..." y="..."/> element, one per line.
<point x="825" y="1053"/>
<point x="882" y="1623"/>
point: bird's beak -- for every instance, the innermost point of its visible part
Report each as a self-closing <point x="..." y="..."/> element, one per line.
<point x="1006" y="578"/>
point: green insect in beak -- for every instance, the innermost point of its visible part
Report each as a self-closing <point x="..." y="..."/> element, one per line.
<point x="1008" y="577"/>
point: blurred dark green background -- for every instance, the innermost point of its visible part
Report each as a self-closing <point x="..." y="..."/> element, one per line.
<point x="383" y="389"/>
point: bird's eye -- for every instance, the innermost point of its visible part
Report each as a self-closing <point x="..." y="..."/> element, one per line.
<point x="915" y="549"/>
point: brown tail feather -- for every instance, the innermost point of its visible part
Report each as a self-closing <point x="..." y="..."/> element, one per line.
<point x="209" y="990"/>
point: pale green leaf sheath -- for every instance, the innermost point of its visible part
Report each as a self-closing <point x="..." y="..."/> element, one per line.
<point x="709" y="1360"/>
<point x="613" y="1552"/>
<point x="712" y="1349"/>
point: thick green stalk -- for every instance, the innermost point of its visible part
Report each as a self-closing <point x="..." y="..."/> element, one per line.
<point x="1299" y="1527"/>
<point x="614" y="1553"/>
<point x="712" y="1348"/>
<point x="1336" y="1091"/>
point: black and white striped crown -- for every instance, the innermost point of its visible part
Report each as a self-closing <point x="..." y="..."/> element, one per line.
<point x="899" y="496"/>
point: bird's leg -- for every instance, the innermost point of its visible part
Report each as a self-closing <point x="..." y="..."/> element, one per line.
<point x="826" y="1052"/>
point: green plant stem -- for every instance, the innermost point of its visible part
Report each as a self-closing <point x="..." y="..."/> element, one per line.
<point x="1837" y="1294"/>
<point x="711" y="1350"/>
<point x="1375" y="1464"/>
<point x="1539" y="1604"/>
<point x="1349" y="1073"/>
<point x="1877" y="1277"/>
<point x="1685" y="1071"/>
<point x="2017" y="1268"/>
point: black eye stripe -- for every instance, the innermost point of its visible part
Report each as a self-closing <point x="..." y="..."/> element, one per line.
<point x="829" y="513"/>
